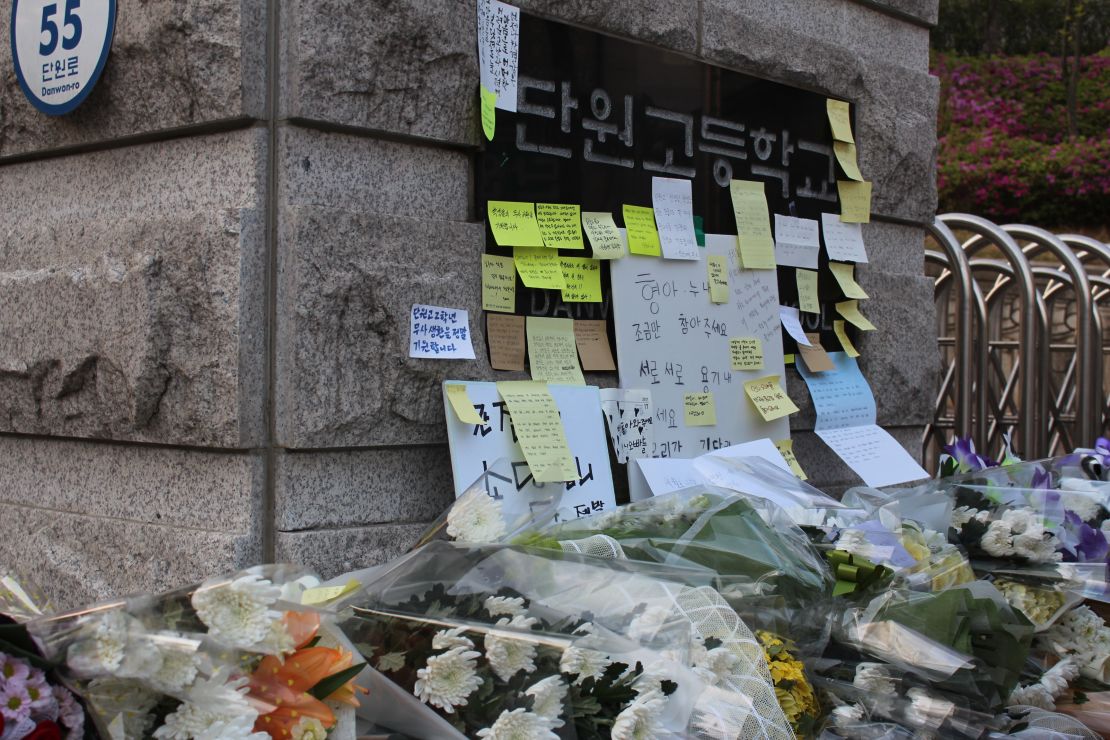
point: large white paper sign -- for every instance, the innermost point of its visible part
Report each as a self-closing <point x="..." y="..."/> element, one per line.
<point x="475" y="448"/>
<point x="673" y="341"/>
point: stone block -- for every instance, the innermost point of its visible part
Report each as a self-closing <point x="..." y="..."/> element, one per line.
<point x="355" y="173"/>
<point x="894" y="249"/>
<point x="179" y="488"/>
<point x="332" y="552"/>
<point x="407" y="67"/>
<point x="78" y="559"/>
<point x="359" y="487"/>
<point x="346" y="287"/>
<point x="924" y="11"/>
<point x="137" y="315"/>
<point x="672" y="24"/>
<point x="171" y="66"/>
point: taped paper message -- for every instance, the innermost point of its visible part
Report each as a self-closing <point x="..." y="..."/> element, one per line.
<point x="753" y="225"/>
<point x="513" y="223"/>
<point x="439" y="333"/>
<point x="552" y="351"/>
<point x="673" y="202"/>
<point x="629" y="416"/>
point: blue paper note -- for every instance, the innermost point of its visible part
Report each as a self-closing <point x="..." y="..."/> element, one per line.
<point x="841" y="396"/>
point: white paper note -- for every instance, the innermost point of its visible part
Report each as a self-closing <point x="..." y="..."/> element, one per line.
<point x="440" y="333"/>
<point x="873" y="454"/>
<point x="628" y="414"/>
<point x="791" y="321"/>
<point x="673" y="202"/>
<point x="841" y="396"/>
<point x="797" y="242"/>
<point x="499" y="50"/>
<point x="843" y="241"/>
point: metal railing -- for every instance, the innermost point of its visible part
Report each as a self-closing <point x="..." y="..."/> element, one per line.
<point x="1020" y="318"/>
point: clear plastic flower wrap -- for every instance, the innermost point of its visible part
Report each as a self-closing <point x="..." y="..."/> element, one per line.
<point x="235" y="656"/>
<point x="590" y="612"/>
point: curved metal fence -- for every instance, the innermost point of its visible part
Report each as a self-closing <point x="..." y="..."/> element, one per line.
<point x="1020" y="323"/>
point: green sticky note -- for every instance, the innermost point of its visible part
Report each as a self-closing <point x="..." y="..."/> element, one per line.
<point x="643" y="237"/>
<point x="699" y="230"/>
<point x="489" y="112"/>
<point x="514" y="224"/>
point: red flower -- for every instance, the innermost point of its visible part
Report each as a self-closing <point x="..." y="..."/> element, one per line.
<point x="46" y="730"/>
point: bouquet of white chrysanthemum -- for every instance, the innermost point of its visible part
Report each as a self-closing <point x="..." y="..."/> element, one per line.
<point x="483" y="637"/>
<point x="233" y="657"/>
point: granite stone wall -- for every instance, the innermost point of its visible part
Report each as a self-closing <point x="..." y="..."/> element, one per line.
<point x="205" y="271"/>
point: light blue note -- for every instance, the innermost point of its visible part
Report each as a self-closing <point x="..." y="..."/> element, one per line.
<point x="841" y="396"/>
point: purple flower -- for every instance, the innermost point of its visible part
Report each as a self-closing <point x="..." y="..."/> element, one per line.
<point x="962" y="451"/>
<point x="71" y="714"/>
<point x="1082" y="542"/>
<point x="13" y="669"/>
<point x="15" y="702"/>
<point x="1042" y="480"/>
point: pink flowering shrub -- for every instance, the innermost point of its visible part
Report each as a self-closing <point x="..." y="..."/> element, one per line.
<point x="1003" y="151"/>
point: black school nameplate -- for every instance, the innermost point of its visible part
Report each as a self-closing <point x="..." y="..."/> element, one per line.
<point x="597" y="117"/>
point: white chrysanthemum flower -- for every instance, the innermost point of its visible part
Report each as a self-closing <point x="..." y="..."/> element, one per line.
<point x="961" y="515"/>
<point x="853" y="541"/>
<point x="102" y="644"/>
<point x="549" y="695"/>
<point x="277" y="641"/>
<point x="508" y="656"/>
<point x="499" y="605"/>
<point x="215" y="707"/>
<point x="1083" y="505"/>
<point x="238" y="614"/>
<point x="640" y="719"/>
<point x="447" y="639"/>
<point x="846" y="715"/>
<point x="476" y="518"/>
<point x="309" y="728"/>
<point x="1036" y="547"/>
<point x="1020" y="520"/>
<point x="448" y="679"/>
<point x="1057" y="678"/>
<point x="926" y="710"/>
<point x="178" y="670"/>
<point x="648" y="622"/>
<point x="717" y="665"/>
<point x="997" y="539"/>
<point x="1035" y="695"/>
<point x="874" y="678"/>
<point x="391" y="662"/>
<point x="519" y="724"/>
<point x="585" y="662"/>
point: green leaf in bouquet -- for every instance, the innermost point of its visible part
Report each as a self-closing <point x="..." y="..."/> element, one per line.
<point x="330" y="684"/>
<point x="15" y="641"/>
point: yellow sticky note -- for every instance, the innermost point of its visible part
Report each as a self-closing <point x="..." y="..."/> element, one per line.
<point x="513" y="223"/>
<point x="850" y="310"/>
<point x="718" y="278"/>
<point x="539" y="268"/>
<point x="553" y="351"/>
<point x="498" y="283"/>
<point x="605" y="238"/>
<point x="846" y="155"/>
<point x="786" y="449"/>
<point x="488" y="100"/>
<point x="753" y="225"/>
<point x="846" y="277"/>
<point x="807" y="290"/>
<point x="788" y="359"/>
<point x="324" y="594"/>
<point x="745" y="353"/>
<point x="583" y="278"/>
<point x="842" y="334"/>
<point x="701" y="411"/>
<point x="769" y="397"/>
<point x="462" y="405"/>
<point x="639" y="224"/>
<point x="855" y="201"/>
<point x="560" y="225"/>
<point x="539" y="430"/>
<point x="840" y="120"/>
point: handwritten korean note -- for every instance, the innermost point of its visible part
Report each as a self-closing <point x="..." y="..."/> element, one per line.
<point x="539" y="268"/>
<point x="700" y="410"/>
<point x="488" y="104"/>
<point x="797" y="241"/>
<point x="592" y="338"/>
<point x="842" y="334"/>
<point x="846" y="278"/>
<point x="460" y="402"/>
<point x="840" y="120"/>
<point x="560" y="225"/>
<point x="808" y="299"/>
<point x="639" y="224"/>
<point x="505" y="333"/>
<point x="814" y="356"/>
<point x="792" y="323"/>
<point x="769" y="398"/>
<point x="583" y="278"/>
<point x="499" y="50"/>
<point x="873" y="454"/>
<point x="440" y="333"/>
<point x="552" y="351"/>
<point x="855" y="201"/>
<point x="539" y="431"/>
<point x="745" y="353"/>
<point x="498" y="283"/>
<point x="604" y="236"/>
<point x="841" y="396"/>
<point x="786" y="449"/>
<point x="846" y="155"/>
<point x="843" y="242"/>
<point x="673" y="202"/>
<point x="628" y="413"/>
<point x="850" y="311"/>
<point x="753" y="225"/>
<point x="513" y="223"/>
<point x="718" y="278"/>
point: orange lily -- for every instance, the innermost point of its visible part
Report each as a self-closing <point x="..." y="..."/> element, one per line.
<point x="283" y="687"/>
